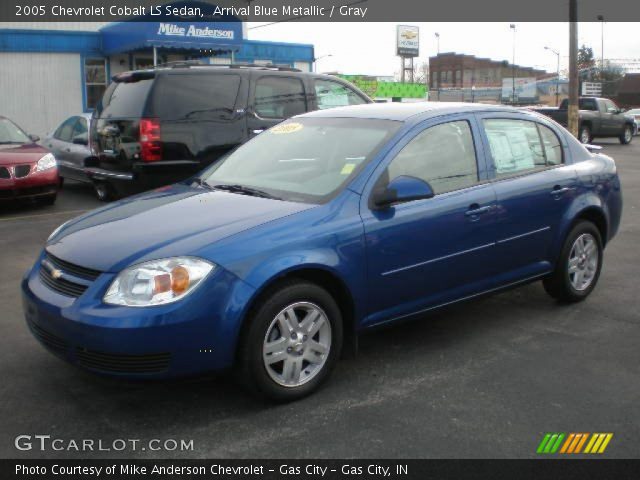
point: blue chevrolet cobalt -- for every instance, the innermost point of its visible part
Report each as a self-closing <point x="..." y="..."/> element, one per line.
<point x="331" y="223"/>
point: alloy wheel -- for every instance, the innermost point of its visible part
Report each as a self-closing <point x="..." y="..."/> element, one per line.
<point x="297" y="343"/>
<point x="583" y="261"/>
<point x="584" y="136"/>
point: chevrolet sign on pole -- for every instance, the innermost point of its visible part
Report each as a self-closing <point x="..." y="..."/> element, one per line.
<point x="408" y="41"/>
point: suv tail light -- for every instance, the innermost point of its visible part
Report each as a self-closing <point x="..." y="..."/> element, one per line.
<point x="150" y="145"/>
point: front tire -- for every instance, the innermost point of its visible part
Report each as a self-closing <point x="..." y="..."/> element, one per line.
<point x="578" y="268"/>
<point x="627" y="135"/>
<point x="291" y="343"/>
<point x="48" y="200"/>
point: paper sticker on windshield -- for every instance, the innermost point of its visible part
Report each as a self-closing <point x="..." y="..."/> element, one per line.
<point x="286" y="128"/>
<point x="348" y="168"/>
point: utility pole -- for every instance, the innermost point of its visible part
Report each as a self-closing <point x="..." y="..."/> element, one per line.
<point x="573" y="119"/>
<point x="513" y="66"/>
<point x="557" y="72"/>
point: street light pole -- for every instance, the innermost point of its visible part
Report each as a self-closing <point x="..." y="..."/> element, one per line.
<point x="601" y="19"/>
<point x="320" y="58"/>
<point x="438" y="42"/>
<point x="557" y="73"/>
<point x="513" y="65"/>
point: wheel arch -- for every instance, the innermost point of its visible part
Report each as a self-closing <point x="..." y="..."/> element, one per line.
<point x="596" y="216"/>
<point x="321" y="276"/>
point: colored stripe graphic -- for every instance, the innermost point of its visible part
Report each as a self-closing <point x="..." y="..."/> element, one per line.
<point x="550" y="443"/>
<point x="573" y="443"/>
<point x="598" y="443"/>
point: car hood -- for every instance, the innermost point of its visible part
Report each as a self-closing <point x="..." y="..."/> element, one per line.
<point x="171" y="221"/>
<point x="19" y="154"/>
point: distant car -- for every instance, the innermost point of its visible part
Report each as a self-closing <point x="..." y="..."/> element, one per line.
<point x="27" y="170"/>
<point x="635" y="113"/>
<point x="69" y="143"/>
<point x="598" y="117"/>
<point x="156" y="127"/>
<point x="324" y="226"/>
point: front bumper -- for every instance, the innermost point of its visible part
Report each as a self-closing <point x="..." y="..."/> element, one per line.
<point x="36" y="184"/>
<point x="192" y="336"/>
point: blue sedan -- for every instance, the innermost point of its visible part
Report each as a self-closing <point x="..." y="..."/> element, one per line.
<point x="274" y="259"/>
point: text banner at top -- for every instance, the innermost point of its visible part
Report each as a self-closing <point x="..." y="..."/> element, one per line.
<point x="315" y="10"/>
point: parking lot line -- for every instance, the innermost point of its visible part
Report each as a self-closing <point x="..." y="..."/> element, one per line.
<point x="24" y="217"/>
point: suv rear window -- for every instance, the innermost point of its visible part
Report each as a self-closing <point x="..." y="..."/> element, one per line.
<point x="195" y="96"/>
<point x="125" y="99"/>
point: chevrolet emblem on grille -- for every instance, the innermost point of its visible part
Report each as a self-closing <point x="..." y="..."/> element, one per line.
<point x="55" y="273"/>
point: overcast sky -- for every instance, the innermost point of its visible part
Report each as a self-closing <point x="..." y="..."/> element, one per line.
<point x="369" y="48"/>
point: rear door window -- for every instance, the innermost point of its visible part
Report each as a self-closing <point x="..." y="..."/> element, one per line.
<point x="279" y="97"/>
<point x="517" y="147"/>
<point x="195" y="96"/>
<point x="125" y="100"/>
<point x="588" y="104"/>
<point x="333" y="94"/>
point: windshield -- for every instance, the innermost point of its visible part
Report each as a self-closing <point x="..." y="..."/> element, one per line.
<point x="302" y="159"/>
<point x="10" y="133"/>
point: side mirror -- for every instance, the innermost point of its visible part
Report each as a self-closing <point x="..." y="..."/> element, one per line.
<point x="34" y="138"/>
<point x="402" y="189"/>
<point x="80" y="139"/>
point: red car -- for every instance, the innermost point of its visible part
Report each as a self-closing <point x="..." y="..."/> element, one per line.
<point x="27" y="170"/>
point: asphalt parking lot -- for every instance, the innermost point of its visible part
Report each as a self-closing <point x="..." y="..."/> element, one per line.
<point x="484" y="379"/>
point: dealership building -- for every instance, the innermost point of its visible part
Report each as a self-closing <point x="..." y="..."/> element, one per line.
<point x="50" y="71"/>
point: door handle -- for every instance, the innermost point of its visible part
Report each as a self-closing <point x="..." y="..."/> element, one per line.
<point x="475" y="210"/>
<point x="557" y="191"/>
<point x="257" y="131"/>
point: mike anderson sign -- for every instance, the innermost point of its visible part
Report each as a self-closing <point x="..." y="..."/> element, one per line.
<point x="173" y="30"/>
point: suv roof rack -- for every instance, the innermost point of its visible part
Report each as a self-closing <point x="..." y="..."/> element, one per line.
<point x="198" y="63"/>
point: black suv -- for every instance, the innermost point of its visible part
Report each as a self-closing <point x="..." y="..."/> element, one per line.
<point x="159" y="126"/>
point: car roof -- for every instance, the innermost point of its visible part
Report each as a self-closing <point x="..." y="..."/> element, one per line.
<point x="404" y="111"/>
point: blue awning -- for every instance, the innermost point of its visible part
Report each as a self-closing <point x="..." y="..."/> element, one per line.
<point x="134" y="35"/>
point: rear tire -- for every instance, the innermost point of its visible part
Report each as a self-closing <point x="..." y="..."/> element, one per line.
<point x="291" y="342"/>
<point x="104" y="191"/>
<point x="585" y="135"/>
<point x="627" y="135"/>
<point x="578" y="268"/>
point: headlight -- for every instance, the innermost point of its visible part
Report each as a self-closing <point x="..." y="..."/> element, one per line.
<point x="46" y="162"/>
<point x="157" y="282"/>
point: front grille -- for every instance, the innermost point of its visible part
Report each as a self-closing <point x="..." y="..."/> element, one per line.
<point x="21" y="170"/>
<point x="4" y="172"/>
<point x="49" y="340"/>
<point x="115" y="363"/>
<point x="60" y="285"/>
<point x="72" y="269"/>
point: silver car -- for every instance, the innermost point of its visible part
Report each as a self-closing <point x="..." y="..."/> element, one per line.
<point x="635" y="113"/>
<point x="70" y="144"/>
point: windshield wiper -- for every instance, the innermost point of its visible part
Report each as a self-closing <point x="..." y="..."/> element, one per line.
<point x="242" y="189"/>
<point x="202" y="183"/>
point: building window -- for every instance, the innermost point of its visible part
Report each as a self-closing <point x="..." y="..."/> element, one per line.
<point x="95" y="81"/>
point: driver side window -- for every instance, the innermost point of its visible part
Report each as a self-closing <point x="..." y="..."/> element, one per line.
<point x="65" y="131"/>
<point x="442" y="155"/>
